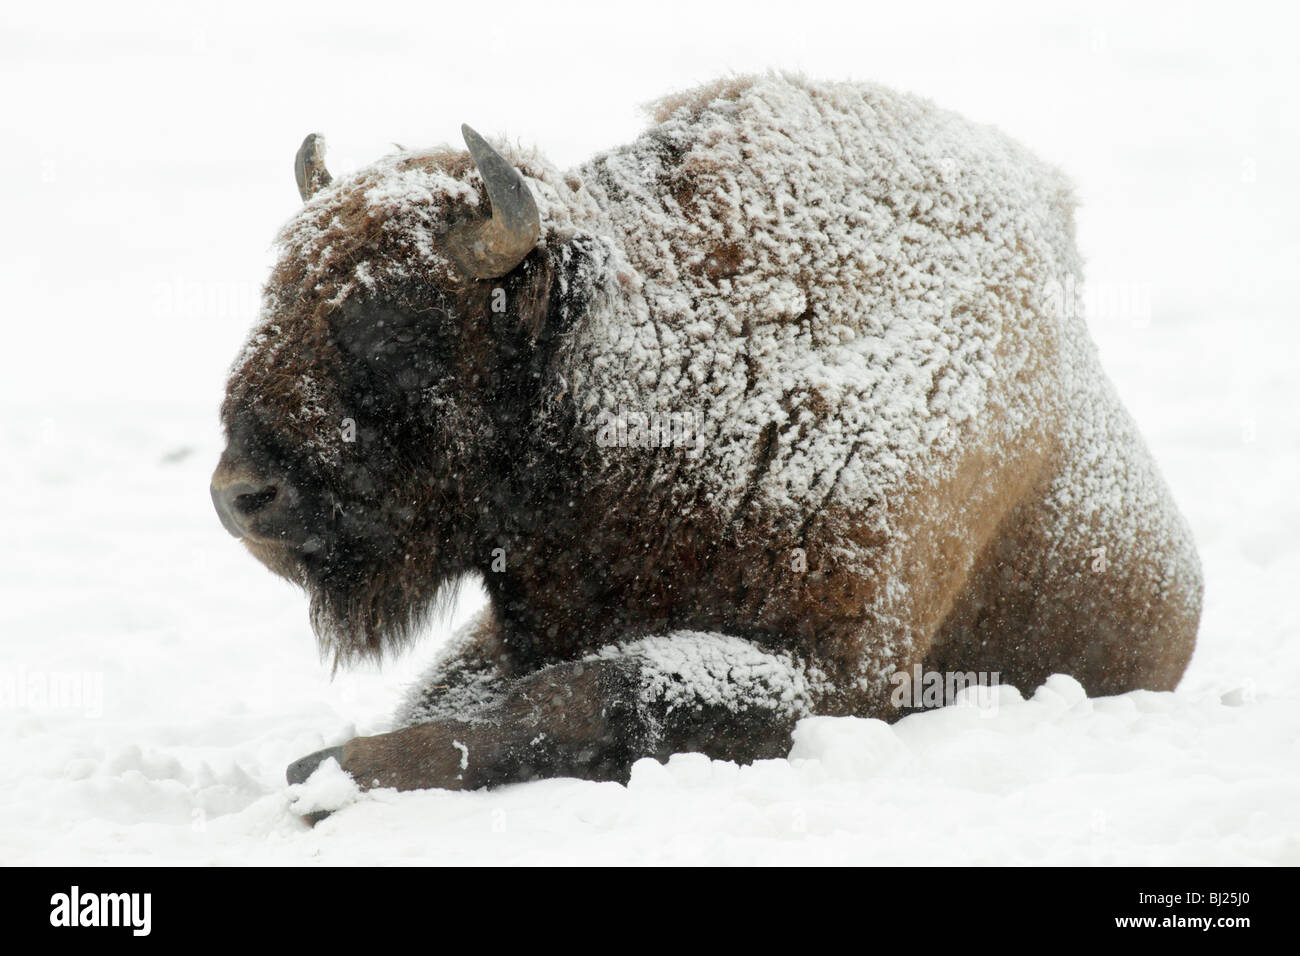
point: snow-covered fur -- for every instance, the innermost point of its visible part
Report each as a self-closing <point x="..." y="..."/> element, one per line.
<point x="795" y="371"/>
<point x="863" y="298"/>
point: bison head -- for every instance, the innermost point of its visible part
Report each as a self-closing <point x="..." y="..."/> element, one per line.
<point x="374" y="417"/>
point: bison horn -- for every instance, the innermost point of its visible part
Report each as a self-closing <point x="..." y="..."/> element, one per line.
<point x="309" y="167"/>
<point x="490" y="249"/>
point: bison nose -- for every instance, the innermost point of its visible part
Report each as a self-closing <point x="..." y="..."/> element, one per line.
<point x="239" y="502"/>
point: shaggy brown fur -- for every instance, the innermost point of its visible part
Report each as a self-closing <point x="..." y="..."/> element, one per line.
<point x="905" y="455"/>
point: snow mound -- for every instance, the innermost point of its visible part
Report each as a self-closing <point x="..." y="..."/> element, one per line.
<point x="328" y="788"/>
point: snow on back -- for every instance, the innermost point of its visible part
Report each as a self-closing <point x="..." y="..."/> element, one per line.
<point x="844" y="262"/>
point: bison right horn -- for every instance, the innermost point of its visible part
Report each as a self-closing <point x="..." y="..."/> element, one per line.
<point x="487" y="250"/>
<point x="309" y="166"/>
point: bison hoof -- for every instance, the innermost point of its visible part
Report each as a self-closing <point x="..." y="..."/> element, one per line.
<point x="301" y="769"/>
<point x="304" y="767"/>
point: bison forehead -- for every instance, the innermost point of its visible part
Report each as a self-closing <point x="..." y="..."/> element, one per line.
<point x="384" y="226"/>
<point x="285" y="382"/>
<point x="371" y="232"/>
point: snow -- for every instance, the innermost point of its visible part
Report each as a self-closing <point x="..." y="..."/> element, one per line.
<point x="155" y="681"/>
<point x="691" y="669"/>
<point x="328" y="789"/>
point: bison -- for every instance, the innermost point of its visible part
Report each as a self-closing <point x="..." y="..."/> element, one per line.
<point x="735" y="423"/>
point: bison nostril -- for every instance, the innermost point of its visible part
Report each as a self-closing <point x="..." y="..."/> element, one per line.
<point x="251" y="502"/>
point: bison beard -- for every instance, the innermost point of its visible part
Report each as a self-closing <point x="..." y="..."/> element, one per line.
<point x="904" y="451"/>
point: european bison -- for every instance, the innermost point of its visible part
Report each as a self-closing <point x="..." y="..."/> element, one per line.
<point x="736" y="423"/>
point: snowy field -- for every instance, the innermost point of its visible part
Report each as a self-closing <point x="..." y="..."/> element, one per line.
<point x="155" y="680"/>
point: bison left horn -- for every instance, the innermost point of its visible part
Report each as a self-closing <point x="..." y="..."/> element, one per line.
<point x="490" y="249"/>
<point x="309" y="167"/>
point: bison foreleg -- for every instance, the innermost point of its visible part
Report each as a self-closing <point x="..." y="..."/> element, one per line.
<point x="687" y="691"/>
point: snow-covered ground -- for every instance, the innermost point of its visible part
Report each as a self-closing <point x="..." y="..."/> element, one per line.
<point x="155" y="680"/>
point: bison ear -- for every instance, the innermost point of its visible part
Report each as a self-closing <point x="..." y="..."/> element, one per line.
<point x="309" y="166"/>
<point x="549" y="293"/>
<point x="587" y="272"/>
